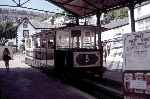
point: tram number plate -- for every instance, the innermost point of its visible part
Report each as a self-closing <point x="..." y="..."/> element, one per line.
<point x="86" y="59"/>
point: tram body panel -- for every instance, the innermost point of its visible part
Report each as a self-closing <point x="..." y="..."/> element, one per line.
<point x="42" y="53"/>
<point x="37" y="58"/>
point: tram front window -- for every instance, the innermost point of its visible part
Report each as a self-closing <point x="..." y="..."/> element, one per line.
<point x="77" y="37"/>
<point x="76" y="42"/>
<point x="50" y="44"/>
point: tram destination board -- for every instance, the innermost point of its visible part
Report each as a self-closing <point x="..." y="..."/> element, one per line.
<point x="136" y="75"/>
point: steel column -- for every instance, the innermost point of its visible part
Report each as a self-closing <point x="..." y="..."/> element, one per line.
<point x="77" y="20"/>
<point x="132" y="20"/>
<point x="98" y="15"/>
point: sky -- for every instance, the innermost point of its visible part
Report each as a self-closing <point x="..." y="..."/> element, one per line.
<point x="36" y="4"/>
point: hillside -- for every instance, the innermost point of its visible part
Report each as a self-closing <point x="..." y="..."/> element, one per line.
<point x="15" y="15"/>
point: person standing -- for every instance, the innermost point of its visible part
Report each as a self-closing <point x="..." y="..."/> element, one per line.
<point x="6" y="58"/>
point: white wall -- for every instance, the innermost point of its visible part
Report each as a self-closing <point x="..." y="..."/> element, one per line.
<point x="139" y="25"/>
<point x="111" y="33"/>
<point x="142" y="11"/>
<point x="59" y="21"/>
<point x="116" y="62"/>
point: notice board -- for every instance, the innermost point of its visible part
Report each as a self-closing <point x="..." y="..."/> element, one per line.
<point x="137" y="51"/>
<point x="136" y="65"/>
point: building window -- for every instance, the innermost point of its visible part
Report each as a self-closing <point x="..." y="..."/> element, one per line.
<point x="28" y="43"/>
<point x="25" y="24"/>
<point x="25" y="33"/>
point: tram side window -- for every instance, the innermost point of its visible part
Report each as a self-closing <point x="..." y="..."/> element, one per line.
<point x="43" y="43"/>
<point x="87" y="41"/>
<point x="50" y="44"/>
<point x="76" y="38"/>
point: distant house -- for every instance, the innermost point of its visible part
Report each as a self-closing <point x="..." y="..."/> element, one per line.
<point x="27" y="28"/>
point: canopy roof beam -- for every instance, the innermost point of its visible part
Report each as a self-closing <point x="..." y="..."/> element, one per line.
<point x="19" y="4"/>
<point x="98" y="15"/>
<point x="91" y="4"/>
<point x="132" y="20"/>
<point x="61" y="6"/>
<point x="25" y="2"/>
<point x="68" y="1"/>
<point x="77" y="6"/>
<point x="83" y="8"/>
<point x="15" y="2"/>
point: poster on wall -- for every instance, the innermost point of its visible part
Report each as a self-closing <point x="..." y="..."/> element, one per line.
<point x="137" y="84"/>
<point x="86" y="59"/>
<point x="136" y="69"/>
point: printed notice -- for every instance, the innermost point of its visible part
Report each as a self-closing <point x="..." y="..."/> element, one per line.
<point x="137" y="51"/>
<point x="138" y="84"/>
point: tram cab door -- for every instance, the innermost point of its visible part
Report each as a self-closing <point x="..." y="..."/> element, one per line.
<point x="76" y="38"/>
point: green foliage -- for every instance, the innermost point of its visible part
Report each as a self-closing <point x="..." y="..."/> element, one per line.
<point x="120" y="14"/>
<point x="7" y="31"/>
<point x="116" y="14"/>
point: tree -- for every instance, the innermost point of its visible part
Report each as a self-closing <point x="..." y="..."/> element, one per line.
<point x="7" y="31"/>
<point x="115" y="14"/>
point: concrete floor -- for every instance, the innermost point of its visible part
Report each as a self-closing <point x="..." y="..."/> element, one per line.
<point x="23" y="82"/>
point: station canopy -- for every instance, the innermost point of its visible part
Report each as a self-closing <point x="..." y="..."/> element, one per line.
<point x="90" y="7"/>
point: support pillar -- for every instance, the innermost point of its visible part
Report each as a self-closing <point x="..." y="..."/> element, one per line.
<point x="132" y="20"/>
<point x="19" y="4"/>
<point x="77" y="20"/>
<point x="54" y="40"/>
<point x="98" y="15"/>
<point x="16" y="41"/>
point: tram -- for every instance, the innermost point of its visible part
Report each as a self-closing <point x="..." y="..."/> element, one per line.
<point x="72" y="48"/>
<point x="40" y="54"/>
<point x="77" y="50"/>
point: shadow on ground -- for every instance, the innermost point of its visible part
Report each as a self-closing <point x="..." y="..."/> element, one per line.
<point x="29" y="83"/>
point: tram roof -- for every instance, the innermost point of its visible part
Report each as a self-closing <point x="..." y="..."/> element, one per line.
<point x="89" y="7"/>
<point x="80" y="26"/>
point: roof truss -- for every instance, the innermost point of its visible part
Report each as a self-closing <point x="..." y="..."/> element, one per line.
<point x="88" y="7"/>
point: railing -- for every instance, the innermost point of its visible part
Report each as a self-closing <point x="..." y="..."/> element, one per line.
<point x="41" y="55"/>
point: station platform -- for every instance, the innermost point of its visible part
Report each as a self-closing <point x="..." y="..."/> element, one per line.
<point x="29" y="83"/>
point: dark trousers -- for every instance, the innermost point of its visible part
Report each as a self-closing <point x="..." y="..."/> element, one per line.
<point x="7" y="64"/>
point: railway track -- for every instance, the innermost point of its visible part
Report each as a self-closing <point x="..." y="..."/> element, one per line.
<point x="101" y="89"/>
